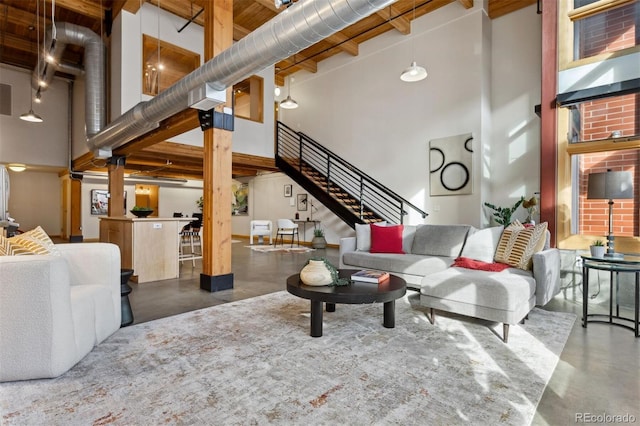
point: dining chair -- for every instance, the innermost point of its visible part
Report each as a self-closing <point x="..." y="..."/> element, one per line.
<point x="287" y="227"/>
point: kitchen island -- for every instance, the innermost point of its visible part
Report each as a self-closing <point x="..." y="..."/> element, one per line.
<point x="148" y="245"/>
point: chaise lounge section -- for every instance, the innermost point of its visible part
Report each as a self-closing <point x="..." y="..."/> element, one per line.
<point x="504" y="296"/>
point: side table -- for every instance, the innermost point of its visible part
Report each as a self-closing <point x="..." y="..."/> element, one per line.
<point x="628" y="264"/>
<point x="125" y="306"/>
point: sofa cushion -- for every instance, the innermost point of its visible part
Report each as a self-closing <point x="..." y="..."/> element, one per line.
<point x="498" y="290"/>
<point x="386" y="239"/>
<point x="408" y="233"/>
<point x="363" y="235"/>
<point x="518" y="244"/>
<point x="411" y="264"/>
<point x="481" y="244"/>
<point x="439" y="240"/>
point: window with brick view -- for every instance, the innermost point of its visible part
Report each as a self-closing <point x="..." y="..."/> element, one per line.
<point x="605" y="32"/>
<point x="602" y="121"/>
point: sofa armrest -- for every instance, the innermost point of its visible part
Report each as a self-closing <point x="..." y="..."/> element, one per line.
<point x="546" y="271"/>
<point x="92" y="263"/>
<point x="347" y="244"/>
<point x="37" y="336"/>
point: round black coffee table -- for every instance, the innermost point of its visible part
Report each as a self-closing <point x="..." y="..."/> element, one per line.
<point x="355" y="293"/>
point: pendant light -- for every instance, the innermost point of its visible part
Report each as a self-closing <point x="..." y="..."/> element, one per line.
<point x="289" y="103"/>
<point x="31" y="116"/>
<point x="415" y="72"/>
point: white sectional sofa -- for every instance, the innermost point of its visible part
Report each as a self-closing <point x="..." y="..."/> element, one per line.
<point x="55" y="308"/>
<point x="430" y="250"/>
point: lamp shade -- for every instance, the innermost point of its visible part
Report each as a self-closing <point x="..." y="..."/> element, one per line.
<point x="414" y="73"/>
<point x="31" y="117"/>
<point x="289" y="103"/>
<point x="610" y="185"/>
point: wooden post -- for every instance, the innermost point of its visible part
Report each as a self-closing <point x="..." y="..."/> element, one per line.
<point x="216" y="251"/>
<point x="116" y="187"/>
<point x="75" y="216"/>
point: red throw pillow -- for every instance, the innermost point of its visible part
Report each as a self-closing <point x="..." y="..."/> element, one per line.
<point x="386" y="239"/>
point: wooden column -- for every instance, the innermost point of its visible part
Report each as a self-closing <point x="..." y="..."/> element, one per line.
<point x="216" y="251"/>
<point x="548" y="119"/>
<point x="116" y="187"/>
<point x="75" y="213"/>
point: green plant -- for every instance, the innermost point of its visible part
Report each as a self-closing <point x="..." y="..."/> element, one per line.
<point x="502" y="215"/>
<point x="598" y="243"/>
<point x="200" y="202"/>
<point x="318" y="232"/>
<point x="141" y="209"/>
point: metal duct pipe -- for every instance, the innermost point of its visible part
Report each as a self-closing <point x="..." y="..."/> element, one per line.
<point x="94" y="68"/>
<point x="300" y="26"/>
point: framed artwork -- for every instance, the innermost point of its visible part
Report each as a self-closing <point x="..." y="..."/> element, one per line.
<point x="287" y="190"/>
<point x="240" y="198"/>
<point x="451" y="165"/>
<point x="302" y="202"/>
<point x="99" y="202"/>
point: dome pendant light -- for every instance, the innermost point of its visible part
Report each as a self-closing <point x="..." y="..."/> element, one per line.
<point x="289" y="103"/>
<point x="31" y="116"/>
<point x="415" y="72"/>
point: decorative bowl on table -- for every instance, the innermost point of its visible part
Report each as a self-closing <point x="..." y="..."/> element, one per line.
<point x="141" y="212"/>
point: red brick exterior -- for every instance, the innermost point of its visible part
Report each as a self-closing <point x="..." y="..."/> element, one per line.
<point x="608" y="32"/>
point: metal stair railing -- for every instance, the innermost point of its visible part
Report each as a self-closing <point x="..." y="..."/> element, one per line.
<point x="300" y="151"/>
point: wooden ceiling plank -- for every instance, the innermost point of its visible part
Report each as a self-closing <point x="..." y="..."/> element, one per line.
<point x="400" y="23"/>
<point x="88" y="8"/>
<point x="498" y="8"/>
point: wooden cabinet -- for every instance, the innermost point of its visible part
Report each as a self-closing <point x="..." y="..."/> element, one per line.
<point x="149" y="246"/>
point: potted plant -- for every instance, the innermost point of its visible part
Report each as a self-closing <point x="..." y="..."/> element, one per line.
<point x="200" y="203"/>
<point x="502" y="215"/>
<point x="141" y="211"/>
<point x="318" y="240"/>
<point x="597" y="249"/>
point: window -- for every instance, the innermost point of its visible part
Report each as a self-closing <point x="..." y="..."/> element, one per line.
<point x="599" y="124"/>
<point x="608" y="31"/>
<point x="163" y="64"/>
<point x="248" y="100"/>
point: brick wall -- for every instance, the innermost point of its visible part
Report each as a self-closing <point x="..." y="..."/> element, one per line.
<point x="594" y="214"/>
<point x="608" y="31"/>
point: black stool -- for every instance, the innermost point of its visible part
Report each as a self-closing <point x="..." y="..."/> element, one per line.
<point x="125" y="289"/>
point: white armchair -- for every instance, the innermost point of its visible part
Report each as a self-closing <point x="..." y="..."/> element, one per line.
<point x="55" y="308"/>
<point x="261" y="228"/>
<point x="287" y="227"/>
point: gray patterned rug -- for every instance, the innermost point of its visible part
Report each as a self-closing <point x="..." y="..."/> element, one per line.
<point x="253" y="362"/>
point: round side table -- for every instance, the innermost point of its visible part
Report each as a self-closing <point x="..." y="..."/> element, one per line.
<point x="125" y="289"/>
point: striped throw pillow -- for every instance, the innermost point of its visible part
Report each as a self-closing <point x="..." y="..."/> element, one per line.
<point x="11" y="248"/>
<point x="35" y="241"/>
<point x="518" y="244"/>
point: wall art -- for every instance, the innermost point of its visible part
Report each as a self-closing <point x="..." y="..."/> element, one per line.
<point x="451" y="165"/>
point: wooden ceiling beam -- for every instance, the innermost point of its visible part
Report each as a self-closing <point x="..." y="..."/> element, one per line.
<point x="467" y="4"/>
<point x="89" y="8"/>
<point x="395" y="18"/>
<point x="498" y="8"/>
<point x="172" y="126"/>
<point x="131" y="6"/>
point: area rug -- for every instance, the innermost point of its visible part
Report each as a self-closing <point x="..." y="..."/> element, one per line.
<point x="253" y="362"/>
<point x="272" y="249"/>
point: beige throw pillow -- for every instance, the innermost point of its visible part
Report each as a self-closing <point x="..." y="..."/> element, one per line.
<point x="518" y="244"/>
<point x="35" y="241"/>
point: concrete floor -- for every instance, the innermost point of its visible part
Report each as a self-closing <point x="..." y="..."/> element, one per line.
<point x="598" y="373"/>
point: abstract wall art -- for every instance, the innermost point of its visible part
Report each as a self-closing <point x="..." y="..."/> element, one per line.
<point x="451" y="165"/>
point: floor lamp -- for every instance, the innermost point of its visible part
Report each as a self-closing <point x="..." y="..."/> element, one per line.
<point x="609" y="186"/>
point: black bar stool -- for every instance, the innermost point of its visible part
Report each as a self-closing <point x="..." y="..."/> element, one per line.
<point x="125" y="289"/>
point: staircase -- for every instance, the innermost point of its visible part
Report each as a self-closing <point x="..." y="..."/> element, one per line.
<point x="349" y="193"/>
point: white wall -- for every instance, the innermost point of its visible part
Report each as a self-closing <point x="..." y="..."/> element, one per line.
<point x="483" y="78"/>
<point x="514" y="169"/>
<point x="42" y="144"/>
<point x="35" y="200"/>
<point x="267" y="202"/>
